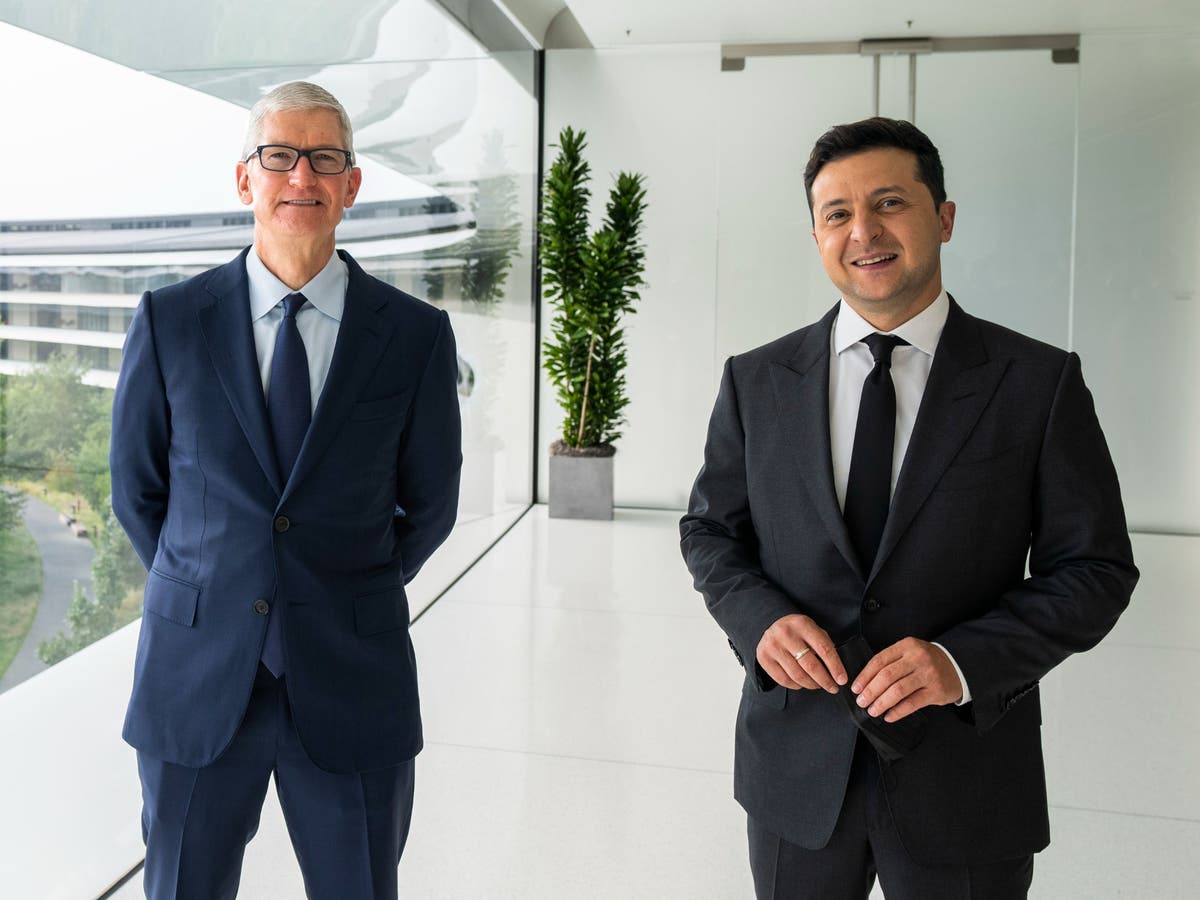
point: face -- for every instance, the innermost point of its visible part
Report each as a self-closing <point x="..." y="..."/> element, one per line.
<point x="298" y="205"/>
<point x="879" y="234"/>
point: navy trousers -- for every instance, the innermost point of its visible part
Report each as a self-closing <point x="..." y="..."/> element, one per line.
<point x="865" y="844"/>
<point x="348" y="831"/>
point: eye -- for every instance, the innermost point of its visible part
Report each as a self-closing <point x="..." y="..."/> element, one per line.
<point x="836" y="216"/>
<point x="890" y="203"/>
<point x="324" y="156"/>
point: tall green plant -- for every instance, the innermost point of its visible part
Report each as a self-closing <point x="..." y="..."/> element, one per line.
<point x="591" y="282"/>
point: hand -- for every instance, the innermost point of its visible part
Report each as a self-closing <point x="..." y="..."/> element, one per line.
<point x="905" y="677"/>
<point x="818" y="667"/>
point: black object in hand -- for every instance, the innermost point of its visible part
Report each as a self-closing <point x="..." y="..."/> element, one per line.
<point x="891" y="740"/>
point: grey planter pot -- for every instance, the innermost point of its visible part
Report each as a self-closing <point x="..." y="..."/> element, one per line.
<point x="581" y="487"/>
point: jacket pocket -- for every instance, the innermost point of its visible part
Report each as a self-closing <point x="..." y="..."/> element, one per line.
<point x="379" y="612"/>
<point x="170" y="598"/>
<point x="965" y="475"/>
<point x="392" y="407"/>
<point x="775" y="697"/>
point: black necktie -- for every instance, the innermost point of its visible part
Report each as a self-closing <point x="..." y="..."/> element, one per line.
<point x="869" y="488"/>
<point x="289" y="407"/>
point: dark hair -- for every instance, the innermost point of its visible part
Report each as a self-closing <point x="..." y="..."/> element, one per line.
<point x="871" y="134"/>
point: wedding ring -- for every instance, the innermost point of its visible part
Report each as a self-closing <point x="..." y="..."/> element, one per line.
<point x="799" y="654"/>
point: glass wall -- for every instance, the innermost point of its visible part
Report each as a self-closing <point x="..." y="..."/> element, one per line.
<point x="1075" y="225"/>
<point x="730" y="259"/>
<point x="1004" y="123"/>
<point x="135" y="190"/>
<point x="1137" y="272"/>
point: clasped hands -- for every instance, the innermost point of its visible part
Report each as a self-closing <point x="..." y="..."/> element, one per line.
<point x="898" y="680"/>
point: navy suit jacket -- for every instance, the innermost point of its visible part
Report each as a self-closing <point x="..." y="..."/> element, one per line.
<point x="196" y="486"/>
<point x="1006" y="463"/>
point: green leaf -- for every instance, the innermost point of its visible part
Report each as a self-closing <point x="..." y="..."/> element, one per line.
<point x="590" y="281"/>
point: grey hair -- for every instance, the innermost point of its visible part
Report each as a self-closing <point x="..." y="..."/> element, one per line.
<point x="296" y="95"/>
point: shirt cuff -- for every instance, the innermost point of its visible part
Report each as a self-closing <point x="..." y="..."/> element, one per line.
<point x="966" y="691"/>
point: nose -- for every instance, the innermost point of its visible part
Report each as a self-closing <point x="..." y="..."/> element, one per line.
<point x="866" y="226"/>
<point x="302" y="173"/>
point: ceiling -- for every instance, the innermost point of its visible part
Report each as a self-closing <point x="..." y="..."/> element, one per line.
<point x="622" y="23"/>
<point x="216" y="34"/>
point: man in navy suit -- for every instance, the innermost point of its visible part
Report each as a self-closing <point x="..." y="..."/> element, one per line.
<point x="285" y="456"/>
<point x="873" y="488"/>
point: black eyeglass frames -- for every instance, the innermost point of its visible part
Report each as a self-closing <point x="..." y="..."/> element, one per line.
<point x="282" y="158"/>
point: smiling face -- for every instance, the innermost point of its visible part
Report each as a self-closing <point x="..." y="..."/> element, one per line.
<point x="297" y="210"/>
<point x="880" y="235"/>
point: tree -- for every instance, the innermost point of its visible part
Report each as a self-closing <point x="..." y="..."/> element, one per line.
<point x="11" y="503"/>
<point x="3" y="422"/>
<point x="49" y="412"/>
<point x="89" y="620"/>
<point x="91" y="465"/>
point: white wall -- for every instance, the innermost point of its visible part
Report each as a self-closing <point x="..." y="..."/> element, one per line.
<point x="1137" y="273"/>
<point x="652" y="112"/>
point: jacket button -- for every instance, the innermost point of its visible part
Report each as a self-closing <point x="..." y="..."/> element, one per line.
<point x="872" y="604"/>
<point x="282" y="524"/>
<point x="262" y="607"/>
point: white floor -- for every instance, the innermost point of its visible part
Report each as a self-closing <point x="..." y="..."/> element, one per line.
<point x="579" y="707"/>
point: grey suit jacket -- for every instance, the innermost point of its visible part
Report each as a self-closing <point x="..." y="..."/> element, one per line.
<point x="1006" y="463"/>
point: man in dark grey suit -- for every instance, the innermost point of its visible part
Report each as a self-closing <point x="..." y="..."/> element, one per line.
<point x="873" y="485"/>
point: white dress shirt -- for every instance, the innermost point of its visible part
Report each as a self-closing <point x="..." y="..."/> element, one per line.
<point x="318" y="320"/>
<point x="850" y="362"/>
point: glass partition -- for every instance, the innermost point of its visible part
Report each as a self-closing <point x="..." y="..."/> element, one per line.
<point x="126" y="202"/>
<point x="1004" y="123"/>
<point x="1137" y="274"/>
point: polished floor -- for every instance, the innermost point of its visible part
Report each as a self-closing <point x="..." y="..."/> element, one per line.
<point x="579" y="709"/>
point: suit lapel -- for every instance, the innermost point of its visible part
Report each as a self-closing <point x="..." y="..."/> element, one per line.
<point x="801" y="387"/>
<point x="362" y="336"/>
<point x="224" y="317"/>
<point x="962" y="381"/>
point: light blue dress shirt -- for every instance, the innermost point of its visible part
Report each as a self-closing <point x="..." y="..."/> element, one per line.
<point x="318" y="320"/>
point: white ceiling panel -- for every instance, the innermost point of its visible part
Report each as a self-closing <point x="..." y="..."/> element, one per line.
<point x="619" y="23"/>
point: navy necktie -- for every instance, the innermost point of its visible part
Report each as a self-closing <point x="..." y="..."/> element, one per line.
<point x="289" y="407"/>
<point x="869" y="487"/>
<point x="289" y="398"/>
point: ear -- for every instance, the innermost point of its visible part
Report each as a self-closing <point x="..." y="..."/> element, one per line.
<point x="355" y="184"/>
<point x="243" y="184"/>
<point x="946" y="217"/>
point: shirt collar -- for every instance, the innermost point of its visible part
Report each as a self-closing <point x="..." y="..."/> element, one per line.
<point x="922" y="331"/>
<point x="326" y="291"/>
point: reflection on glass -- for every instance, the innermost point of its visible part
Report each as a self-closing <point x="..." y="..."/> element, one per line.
<point x="447" y="143"/>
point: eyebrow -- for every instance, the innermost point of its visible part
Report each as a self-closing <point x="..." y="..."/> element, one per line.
<point x="886" y="189"/>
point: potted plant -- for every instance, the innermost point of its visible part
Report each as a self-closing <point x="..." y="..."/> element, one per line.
<point x="591" y="281"/>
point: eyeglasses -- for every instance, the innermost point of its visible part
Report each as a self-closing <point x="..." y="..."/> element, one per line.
<point x="282" y="158"/>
